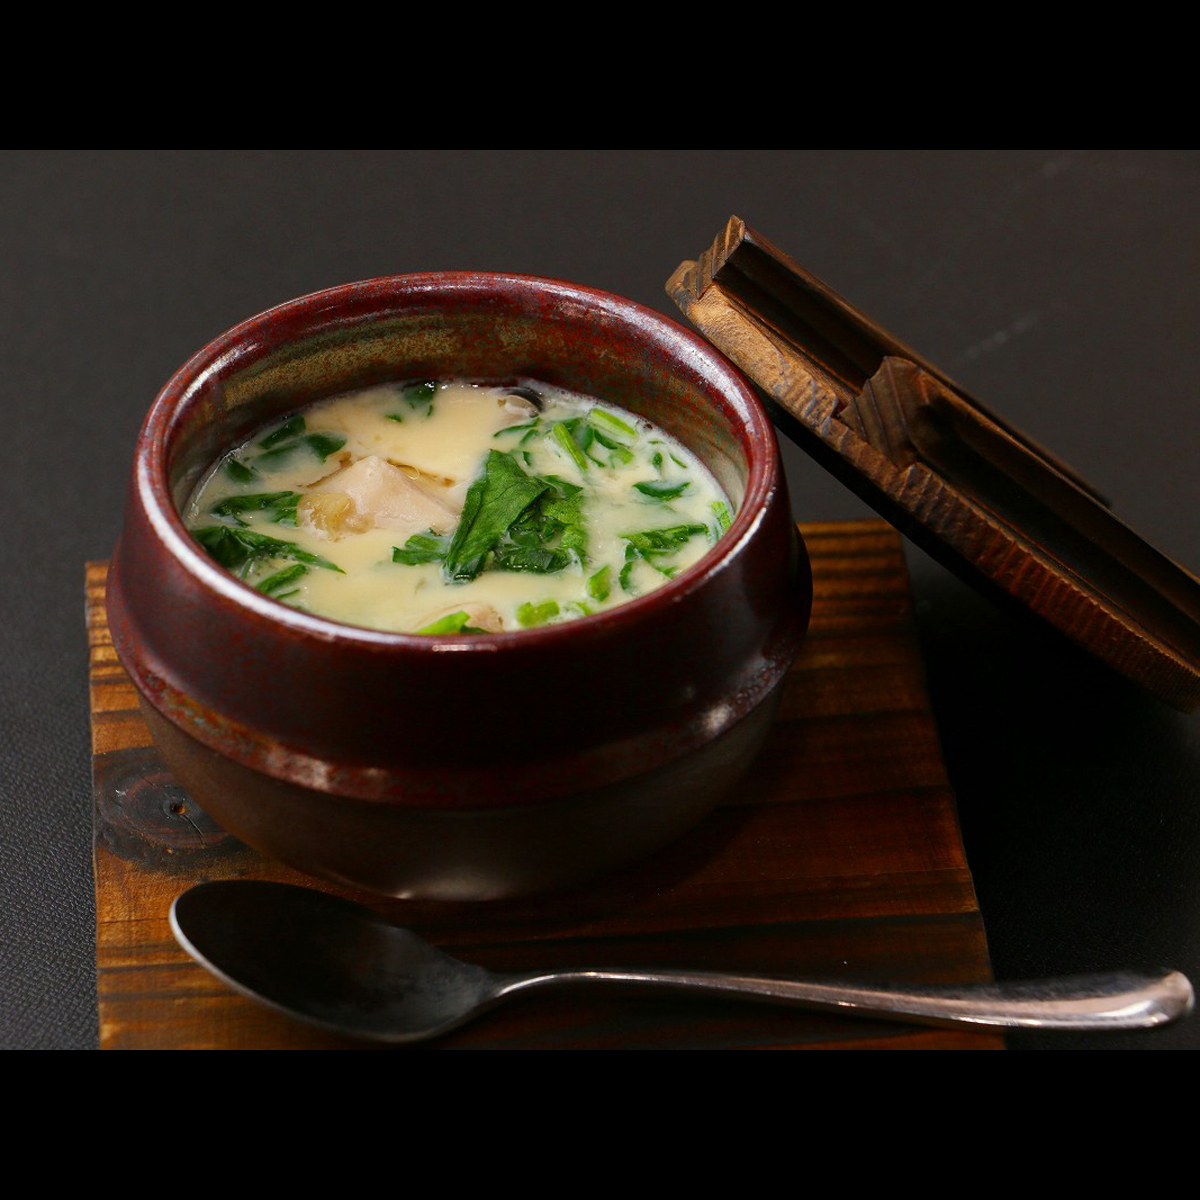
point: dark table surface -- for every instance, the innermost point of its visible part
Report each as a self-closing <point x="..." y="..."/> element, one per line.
<point x="1061" y="287"/>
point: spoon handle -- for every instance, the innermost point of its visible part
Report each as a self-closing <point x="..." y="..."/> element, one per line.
<point x="1110" y="1000"/>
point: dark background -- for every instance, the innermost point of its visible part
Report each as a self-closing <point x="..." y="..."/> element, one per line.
<point x="1061" y="287"/>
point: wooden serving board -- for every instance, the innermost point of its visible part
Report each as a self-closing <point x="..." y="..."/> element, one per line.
<point x="839" y="856"/>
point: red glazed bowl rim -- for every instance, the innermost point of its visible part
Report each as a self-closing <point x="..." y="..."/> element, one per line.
<point x="353" y="304"/>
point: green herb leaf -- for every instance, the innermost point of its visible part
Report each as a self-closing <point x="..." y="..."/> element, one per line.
<point x="618" y="452"/>
<point x="321" y="444"/>
<point x="422" y="548"/>
<point x="651" y="545"/>
<point x="238" y="471"/>
<point x="289" y="429"/>
<point x="608" y="423"/>
<point x="658" y="489"/>
<point x="451" y="623"/>
<point x="525" y="425"/>
<point x="325" y="444"/>
<point x="531" y="528"/>
<point x="272" y="584"/>
<point x="599" y="586"/>
<point x="234" y="506"/>
<point x="237" y="549"/>
<point x="563" y="435"/>
<point x="625" y="578"/>
<point x="662" y="541"/>
<point x="569" y="514"/>
<point x="493" y="502"/>
<point x="721" y="509"/>
<point x="420" y="395"/>
<point x="530" y="558"/>
<point x="530" y="614"/>
<point x="565" y="488"/>
<point x="549" y="535"/>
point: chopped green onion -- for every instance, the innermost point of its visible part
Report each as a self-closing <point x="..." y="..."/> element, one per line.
<point x="239" y="549"/>
<point x="662" y="541"/>
<point x="617" y="451"/>
<point x="527" y="425"/>
<point x="325" y="444"/>
<point x="452" y="623"/>
<point x="420" y="394"/>
<point x="234" y="506"/>
<point x="530" y="614"/>
<point x="422" y="548"/>
<point x="626" y="576"/>
<point x="238" y="471"/>
<point x="563" y="436"/>
<point x="271" y="585"/>
<point x="566" y="488"/>
<point x="599" y="586"/>
<point x="661" y="490"/>
<point x="605" y="422"/>
<point x="289" y="429"/>
<point x="530" y="558"/>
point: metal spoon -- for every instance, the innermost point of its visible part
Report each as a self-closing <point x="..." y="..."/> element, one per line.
<point x="342" y="967"/>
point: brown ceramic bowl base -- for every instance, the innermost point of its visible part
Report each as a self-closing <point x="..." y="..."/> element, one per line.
<point x="463" y="854"/>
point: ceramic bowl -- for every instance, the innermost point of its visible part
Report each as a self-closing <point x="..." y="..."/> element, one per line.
<point x="474" y="766"/>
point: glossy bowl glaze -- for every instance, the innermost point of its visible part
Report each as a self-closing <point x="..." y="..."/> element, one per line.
<point x="474" y="766"/>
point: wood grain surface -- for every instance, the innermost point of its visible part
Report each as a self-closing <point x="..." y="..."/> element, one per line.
<point x="972" y="491"/>
<point x="838" y="856"/>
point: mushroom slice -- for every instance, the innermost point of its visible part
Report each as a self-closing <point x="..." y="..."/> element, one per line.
<point x="521" y="404"/>
<point x="390" y="499"/>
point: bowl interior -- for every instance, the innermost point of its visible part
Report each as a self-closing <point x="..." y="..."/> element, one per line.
<point x="477" y="328"/>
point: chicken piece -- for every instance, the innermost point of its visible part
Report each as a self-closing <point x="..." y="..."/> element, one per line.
<point x="330" y="513"/>
<point x="424" y="478"/>
<point x="389" y="499"/>
<point x="481" y="616"/>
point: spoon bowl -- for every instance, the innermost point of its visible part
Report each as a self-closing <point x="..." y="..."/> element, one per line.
<point x="342" y="967"/>
<point x="327" y="961"/>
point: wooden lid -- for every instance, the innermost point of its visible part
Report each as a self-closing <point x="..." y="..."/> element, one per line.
<point x="976" y="494"/>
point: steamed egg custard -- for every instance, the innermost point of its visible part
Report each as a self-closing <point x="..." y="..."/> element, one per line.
<point x="448" y="508"/>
